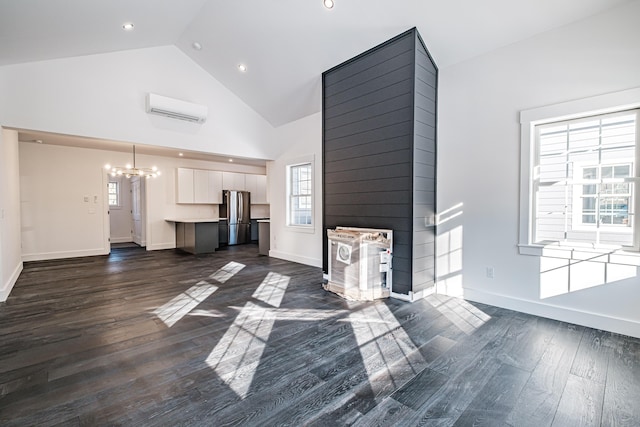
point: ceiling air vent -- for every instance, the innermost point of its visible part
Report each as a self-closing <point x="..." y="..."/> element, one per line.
<point x="176" y="109"/>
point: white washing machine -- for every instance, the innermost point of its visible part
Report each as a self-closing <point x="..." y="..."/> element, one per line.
<point x="360" y="262"/>
<point x="343" y="252"/>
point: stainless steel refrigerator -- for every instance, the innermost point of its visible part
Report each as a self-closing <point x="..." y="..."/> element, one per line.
<point x="238" y="212"/>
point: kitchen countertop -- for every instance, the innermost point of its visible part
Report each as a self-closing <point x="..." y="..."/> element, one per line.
<point x="192" y="220"/>
<point x="264" y="220"/>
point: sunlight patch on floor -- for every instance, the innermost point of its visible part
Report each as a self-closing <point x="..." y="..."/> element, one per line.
<point x="227" y="271"/>
<point x="181" y="305"/>
<point x="464" y="315"/>
<point x="237" y="355"/>
<point x="206" y="313"/>
<point x="387" y="351"/>
<point x="298" y="314"/>
<point x="272" y="289"/>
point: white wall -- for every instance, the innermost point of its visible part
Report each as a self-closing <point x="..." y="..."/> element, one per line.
<point x="103" y="96"/>
<point x="303" y="138"/>
<point x="63" y="205"/>
<point x="478" y="167"/>
<point x="10" y="259"/>
<point x="57" y="222"/>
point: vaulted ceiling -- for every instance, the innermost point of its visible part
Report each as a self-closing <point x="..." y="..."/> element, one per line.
<point x="285" y="44"/>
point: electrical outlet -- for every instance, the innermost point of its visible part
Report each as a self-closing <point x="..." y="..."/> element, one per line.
<point x="490" y="272"/>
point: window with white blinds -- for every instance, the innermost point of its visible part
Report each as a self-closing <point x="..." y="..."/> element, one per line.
<point x="585" y="181"/>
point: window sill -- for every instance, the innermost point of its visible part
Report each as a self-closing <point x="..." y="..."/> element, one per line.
<point x="613" y="255"/>
<point x="302" y="229"/>
<point x="607" y="229"/>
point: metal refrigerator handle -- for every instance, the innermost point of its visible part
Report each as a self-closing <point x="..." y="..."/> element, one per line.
<point x="240" y="206"/>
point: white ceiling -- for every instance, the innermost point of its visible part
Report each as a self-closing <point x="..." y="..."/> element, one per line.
<point x="286" y="44"/>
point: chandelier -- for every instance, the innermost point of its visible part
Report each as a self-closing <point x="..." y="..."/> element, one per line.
<point x="131" y="170"/>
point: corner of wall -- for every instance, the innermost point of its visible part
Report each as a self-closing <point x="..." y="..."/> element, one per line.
<point x="7" y="286"/>
<point x="10" y="235"/>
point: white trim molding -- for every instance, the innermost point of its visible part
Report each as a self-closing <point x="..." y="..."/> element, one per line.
<point x="295" y="258"/>
<point x="161" y="246"/>
<point x="414" y="296"/>
<point x="561" y="313"/>
<point x="65" y="254"/>
<point x="8" y="286"/>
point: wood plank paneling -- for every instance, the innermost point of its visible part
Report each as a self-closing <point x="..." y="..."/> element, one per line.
<point x="397" y="89"/>
<point x="387" y="133"/>
<point x="379" y="150"/>
<point x="367" y="144"/>
<point x="424" y="168"/>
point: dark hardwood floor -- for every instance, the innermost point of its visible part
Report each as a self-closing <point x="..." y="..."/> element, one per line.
<point x="233" y="338"/>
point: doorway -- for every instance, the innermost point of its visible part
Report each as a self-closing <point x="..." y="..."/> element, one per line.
<point x="126" y="198"/>
<point x="138" y="195"/>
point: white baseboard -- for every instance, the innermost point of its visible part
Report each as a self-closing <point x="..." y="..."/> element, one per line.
<point x="296" y="258"/>
<point x="8" y="285"/>
<point x="66" y="254"/>
<point x="579" y="317"/>
<point x="414" y="296"/>
<point x="121" y="239"/>
<point x="161" y="246"/>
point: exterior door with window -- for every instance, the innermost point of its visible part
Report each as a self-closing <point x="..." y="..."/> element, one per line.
<point x="137" y="214"/>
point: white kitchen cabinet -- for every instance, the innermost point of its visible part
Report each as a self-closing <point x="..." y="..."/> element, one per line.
<point x="215" y="186"/>
<point x="199" y="186"/>
<point x="184" y="185"/>
<point x="233" y="181"/>
<point x="257" y="186"/>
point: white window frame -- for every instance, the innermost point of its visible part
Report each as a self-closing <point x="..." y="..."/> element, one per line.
<point x="577" y="223"/>
<point x="529" y="119"/>
<point x="307" y="160"/>
<point x="118" y="192"/>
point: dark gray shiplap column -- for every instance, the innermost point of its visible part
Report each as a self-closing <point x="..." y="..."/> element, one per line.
<point x="379" y="152"/>
<point x="424" y="169"/>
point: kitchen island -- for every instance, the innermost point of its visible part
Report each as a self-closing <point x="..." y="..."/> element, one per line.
<point x="264" y="236"/>
<point x="196" y="235"/>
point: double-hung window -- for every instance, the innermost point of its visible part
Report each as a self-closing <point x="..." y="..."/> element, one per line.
<point x="580" y="181"/>
<point x="584" y="180"/>
<point x="300" y="197"/>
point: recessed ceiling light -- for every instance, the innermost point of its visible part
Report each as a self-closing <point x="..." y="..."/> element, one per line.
<point x="231" y="160"/>
<point x="127" y="26"/>
<point x="328" y="4"/>
<point x="196" y="46"/>
<point x="180" y="154"/>
<point x="242" y="68"/>
<point x="39" y="141"/>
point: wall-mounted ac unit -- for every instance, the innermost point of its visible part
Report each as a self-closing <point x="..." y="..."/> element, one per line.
<point x="176" y="109"/>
